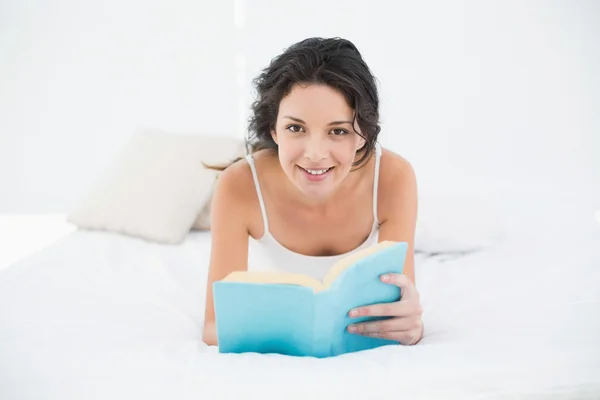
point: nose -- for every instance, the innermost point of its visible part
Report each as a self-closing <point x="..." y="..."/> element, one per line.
<point x="316" y="148"/>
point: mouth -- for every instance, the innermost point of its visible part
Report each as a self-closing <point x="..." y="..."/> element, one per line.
<point x="316" y="174"/>
<point x="313" y="171"/>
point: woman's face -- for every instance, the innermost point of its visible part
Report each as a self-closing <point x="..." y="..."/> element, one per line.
<point x="317" y="144"/>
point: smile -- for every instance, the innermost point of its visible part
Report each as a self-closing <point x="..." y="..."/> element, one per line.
<point x="317" y="171"/>
<point x="315" y="174"/>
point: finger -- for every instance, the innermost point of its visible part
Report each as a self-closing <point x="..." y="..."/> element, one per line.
<point x="387" y="325"/>
<point x="394" y="309"/>
<point x="407" y="289"/>
<point x="406" y="338"/>
<point x="372" y="327"/>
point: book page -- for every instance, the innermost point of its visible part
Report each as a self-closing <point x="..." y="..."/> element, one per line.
<point x="281" y="278"/>
<point x="347" y="262"/>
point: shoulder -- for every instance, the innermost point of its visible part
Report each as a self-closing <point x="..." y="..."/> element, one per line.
<point x="396" y="173"/>
<point x="397" y="192"/>
<point x="237" y="179"/>
<point x="235" y="190"/>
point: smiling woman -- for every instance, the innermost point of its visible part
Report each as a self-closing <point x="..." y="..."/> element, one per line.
<point x="316" y="186"/>
<point x="311" y="148"/>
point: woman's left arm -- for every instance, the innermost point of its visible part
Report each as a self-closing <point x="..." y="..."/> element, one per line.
<point x="397" y="207"/>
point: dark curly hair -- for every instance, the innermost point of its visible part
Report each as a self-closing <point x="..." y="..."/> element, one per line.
<point x="334" y="62"/>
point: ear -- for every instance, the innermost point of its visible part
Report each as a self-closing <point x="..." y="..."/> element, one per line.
<point x="361" y="142"/>
<point x="274" y="136"/>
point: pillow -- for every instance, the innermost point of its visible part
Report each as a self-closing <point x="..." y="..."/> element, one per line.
<point x="202" y="222"/>
<point x="157" y="187"/>
<point x="456" y="223"/>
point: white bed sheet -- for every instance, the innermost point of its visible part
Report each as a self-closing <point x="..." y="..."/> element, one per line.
<point x="25" y="234"/>
<point x="102" y="316"/>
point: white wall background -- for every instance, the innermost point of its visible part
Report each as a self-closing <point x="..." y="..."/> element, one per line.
<point x="500" y="96"/>
<point x="77" y="78"/>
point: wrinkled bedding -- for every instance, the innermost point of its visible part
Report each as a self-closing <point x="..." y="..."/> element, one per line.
<point x="97" y="315"/>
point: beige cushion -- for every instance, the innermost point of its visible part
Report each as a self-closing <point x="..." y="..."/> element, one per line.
<point x="157" y="188"/>
<point x="202" y="221"/>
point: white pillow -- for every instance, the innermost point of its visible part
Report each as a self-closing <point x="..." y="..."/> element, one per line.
<point x="157" y="186"/>
<point x="456" y="223"/>
<point x="203" y="219"/>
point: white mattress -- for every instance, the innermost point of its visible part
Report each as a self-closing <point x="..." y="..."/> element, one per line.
<point x="102" y="316"/>
<point x="24" y="234"/>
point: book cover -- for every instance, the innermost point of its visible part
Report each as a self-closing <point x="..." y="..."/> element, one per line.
<point x="296" y="315"/>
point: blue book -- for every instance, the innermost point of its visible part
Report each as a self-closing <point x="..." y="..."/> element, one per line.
<point x="296" y="315"/>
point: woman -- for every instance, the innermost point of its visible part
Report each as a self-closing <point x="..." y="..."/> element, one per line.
<point x="316" y="186"/>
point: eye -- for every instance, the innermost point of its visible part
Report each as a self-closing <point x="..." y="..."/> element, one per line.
<point x="339" y="131"/>
<point x="294" y="128"/>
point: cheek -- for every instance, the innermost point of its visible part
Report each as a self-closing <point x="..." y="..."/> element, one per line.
<point x="345" y="153"/>
<point x="346" y="160"/>
<point x="289" y="151"/>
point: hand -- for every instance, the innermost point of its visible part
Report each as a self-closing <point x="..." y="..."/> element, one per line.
<point x="405" y="326"/>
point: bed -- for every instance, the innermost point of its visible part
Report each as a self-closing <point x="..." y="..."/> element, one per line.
<point x="97" y="315"/>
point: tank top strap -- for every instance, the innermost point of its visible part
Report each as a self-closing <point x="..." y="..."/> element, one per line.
<point x="263" y="210"/>
<point x="378" y="152"/>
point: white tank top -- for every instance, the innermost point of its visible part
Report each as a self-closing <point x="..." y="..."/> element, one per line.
<point x="267" y="254"/>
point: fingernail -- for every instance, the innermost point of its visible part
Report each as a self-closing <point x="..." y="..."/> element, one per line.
<point x="352" y="328"/>
<point x="354" y="313"/>
<point x="385" y="277"/>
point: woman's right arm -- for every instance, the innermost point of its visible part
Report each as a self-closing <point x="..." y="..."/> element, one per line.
<point x="229" y="233"/>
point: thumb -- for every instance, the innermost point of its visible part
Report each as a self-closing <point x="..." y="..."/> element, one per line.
<point x="407" y="288"/>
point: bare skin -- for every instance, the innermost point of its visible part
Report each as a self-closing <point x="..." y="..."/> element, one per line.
<point x="313" y="218"/>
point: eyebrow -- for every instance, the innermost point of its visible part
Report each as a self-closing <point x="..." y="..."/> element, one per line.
<point x="331" y="123"/>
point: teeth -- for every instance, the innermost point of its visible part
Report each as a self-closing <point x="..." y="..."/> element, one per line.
<point x="317" y="171"/>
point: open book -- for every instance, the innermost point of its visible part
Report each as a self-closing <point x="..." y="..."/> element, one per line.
<point x="292" y="314"/>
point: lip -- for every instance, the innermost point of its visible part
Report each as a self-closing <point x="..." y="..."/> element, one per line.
<point x="315" y="178"/>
